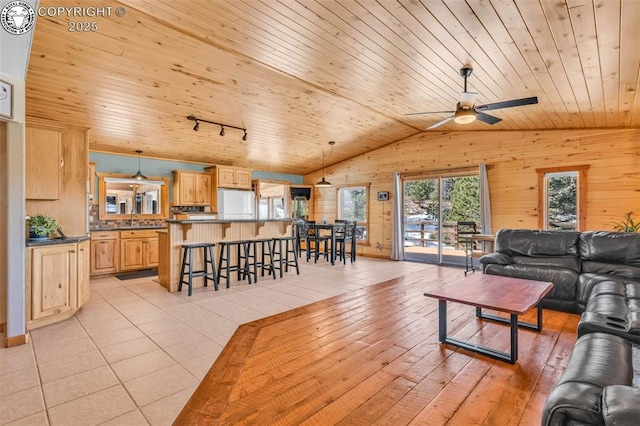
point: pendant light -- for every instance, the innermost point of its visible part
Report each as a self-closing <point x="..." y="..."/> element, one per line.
<point x="324" y="183"/>
<point x="139" y="175"/>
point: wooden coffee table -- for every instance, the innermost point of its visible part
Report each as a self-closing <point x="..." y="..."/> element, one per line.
<point x="512" y="295"/>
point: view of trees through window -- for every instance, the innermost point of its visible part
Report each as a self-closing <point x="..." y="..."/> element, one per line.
<point x="561" y="200"/>
<point x="352" y="205"/>
<point x="460" y="202"/>
<point x="461" y="198"/>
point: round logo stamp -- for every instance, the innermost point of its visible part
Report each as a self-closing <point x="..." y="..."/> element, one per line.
<point x="18" y="17"/>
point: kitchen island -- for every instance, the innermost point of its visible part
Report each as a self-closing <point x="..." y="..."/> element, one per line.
<point x="179" y="232"/>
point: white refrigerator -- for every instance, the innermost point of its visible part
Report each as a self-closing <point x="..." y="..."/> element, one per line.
<point x="236" y="205"/>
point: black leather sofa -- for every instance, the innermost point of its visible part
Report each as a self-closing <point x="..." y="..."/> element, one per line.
<point x="596" y="274"/>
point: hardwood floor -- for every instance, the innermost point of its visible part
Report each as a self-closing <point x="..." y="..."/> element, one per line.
<point x="372" y="357"/>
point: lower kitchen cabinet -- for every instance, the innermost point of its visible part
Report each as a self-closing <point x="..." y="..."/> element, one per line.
<point x="58" y="282"/>
<point x="105" y="252"/>
<point x="84" y="270"/>
<point x="138" y="249"/>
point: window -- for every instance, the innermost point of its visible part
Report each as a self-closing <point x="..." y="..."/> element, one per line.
<point x="561" y="198"/>
<point x="353" y="203"/>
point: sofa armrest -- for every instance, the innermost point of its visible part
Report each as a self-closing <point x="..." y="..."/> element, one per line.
<point x="620" y="405"/>
<point x="496" y="258"/>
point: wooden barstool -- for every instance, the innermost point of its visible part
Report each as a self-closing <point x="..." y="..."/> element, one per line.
<point x="241" y="265"/>
<point x="285" y="254"/>
<point x="262" y="257"/>
<point x="207" y="260"/>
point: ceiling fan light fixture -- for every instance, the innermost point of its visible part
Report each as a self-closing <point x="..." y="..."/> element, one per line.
<point x="465" y="116"/>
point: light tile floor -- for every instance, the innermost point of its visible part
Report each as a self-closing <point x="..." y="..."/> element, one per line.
<point x="134" y="354"/>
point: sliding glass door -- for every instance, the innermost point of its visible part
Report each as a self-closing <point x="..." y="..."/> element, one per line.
<point x="432" y="209"/>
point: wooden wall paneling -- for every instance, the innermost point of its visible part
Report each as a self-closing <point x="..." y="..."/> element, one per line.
<point x="613" y="180"/>
<point x="629" y="30"/>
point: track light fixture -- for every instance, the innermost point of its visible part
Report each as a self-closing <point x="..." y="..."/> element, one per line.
<point x="222" y="125"/>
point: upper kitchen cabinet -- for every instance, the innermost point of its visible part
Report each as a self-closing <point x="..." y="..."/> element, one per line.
<point x="230" y="177"/>
<point x="56" y="174"/>
<point x="44" y="164"/>
<point x="191" y="188"/>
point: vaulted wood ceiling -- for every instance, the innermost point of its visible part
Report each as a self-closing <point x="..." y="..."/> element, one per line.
<point x="298" y="74"/>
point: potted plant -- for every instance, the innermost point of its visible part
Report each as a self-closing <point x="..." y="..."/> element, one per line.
<point x="42" y="226"/>
<point x="627" y="224"/>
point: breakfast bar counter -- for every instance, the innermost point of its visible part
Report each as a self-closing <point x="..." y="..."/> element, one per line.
<point x="179" y="232"/>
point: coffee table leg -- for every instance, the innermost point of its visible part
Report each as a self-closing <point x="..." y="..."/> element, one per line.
<point x="510" y="357"/>
<point x="442" y="320"/>
<point x="514" y="338"/>
<point x="527" y="325"/>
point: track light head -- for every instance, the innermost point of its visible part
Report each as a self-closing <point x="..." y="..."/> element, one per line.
<point x="197" y="126"/>
<point x="244" y="137"/>
<point x="221" y="130"/>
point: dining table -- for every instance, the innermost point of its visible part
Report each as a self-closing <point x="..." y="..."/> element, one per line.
<point x="332" y="228"/>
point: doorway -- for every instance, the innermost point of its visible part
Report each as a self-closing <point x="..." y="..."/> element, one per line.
<point x="432" y="208"/>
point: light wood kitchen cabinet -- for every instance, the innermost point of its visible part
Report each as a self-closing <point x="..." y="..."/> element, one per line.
<point x="191" y="188"/>
<point x="105" y="252"/>
<point x="227" y="177"/>
<point x="53" y="280"/>
<point x="92" y="183"/>
<point x="138" y="249"/>
<point x="230" y="177"/>
<point x="58" y="282"/>
<point x="43" y="161"/>
<point x="84" y="266"/>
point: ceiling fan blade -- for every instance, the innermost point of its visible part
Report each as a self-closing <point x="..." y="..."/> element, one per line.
<point x="486" y="118"/>
<point x="431" y="112"/>
<point x="508" y="104"/>
<point x="441" y="122"/>
<point x="468" y="99"/>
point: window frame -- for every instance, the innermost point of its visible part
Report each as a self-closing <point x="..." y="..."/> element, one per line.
<point x="581" y="194"/>
<point x="367" y="187"/>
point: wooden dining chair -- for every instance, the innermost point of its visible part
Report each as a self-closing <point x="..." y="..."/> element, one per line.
<point x="316" y="243"/>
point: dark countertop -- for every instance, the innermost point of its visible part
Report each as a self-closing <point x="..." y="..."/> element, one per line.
<point x="55" y="241"/>
<point x="228" y="220"/>
<point x="127" y="228"/>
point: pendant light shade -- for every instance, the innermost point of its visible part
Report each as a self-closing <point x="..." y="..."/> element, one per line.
<point x="139" y="175"/>
<point x="323" y="183"/>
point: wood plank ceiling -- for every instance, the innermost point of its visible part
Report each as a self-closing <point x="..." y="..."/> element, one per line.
<point x="298" y="74"/>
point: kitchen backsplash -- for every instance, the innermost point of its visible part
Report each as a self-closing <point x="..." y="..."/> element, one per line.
<point x="96" y="223"/>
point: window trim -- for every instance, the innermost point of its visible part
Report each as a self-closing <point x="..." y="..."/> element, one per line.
<point x="367" y="187"/>
<point x="581" y="193"/>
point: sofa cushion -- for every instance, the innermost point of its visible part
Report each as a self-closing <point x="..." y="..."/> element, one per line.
<point x="614" y="253"/>
<point x="598" y="360"/>
<point x="564" y="280"/>
<point x="614" y="308"/>
<point x="589" y="283"/>
<point x="526" y="242"/>
<point x="620" y="405"/>
<point x="566" y="262"/>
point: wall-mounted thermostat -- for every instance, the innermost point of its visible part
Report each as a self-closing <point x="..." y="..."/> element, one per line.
<point x="383" y="195"/>
<point x="6" y="100"/>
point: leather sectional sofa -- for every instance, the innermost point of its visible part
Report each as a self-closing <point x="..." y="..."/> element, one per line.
<point x="596" y="274"/>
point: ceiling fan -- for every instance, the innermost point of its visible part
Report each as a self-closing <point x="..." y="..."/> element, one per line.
<point x="466" y="111"/>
